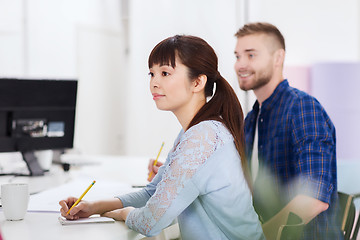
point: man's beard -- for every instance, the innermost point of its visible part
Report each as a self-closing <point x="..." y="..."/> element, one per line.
<point x="259" y="82"/>
<point x="262" y="81"/>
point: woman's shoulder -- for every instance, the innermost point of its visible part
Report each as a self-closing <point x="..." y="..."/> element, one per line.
<point x="200" y="142"/>
<point x="212" y="129"/>
<point x="209" y="125"/>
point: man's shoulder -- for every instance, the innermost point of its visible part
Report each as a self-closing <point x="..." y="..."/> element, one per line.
<point x="295" y="98"/>
<point x="300" y="103"/>
<point x="297" y="94"/>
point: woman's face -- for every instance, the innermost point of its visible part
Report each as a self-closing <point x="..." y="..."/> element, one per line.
<point x="170" y="87"/>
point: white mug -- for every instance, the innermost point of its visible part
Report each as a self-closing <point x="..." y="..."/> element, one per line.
<point x="14" y="200"/>
<point x="44" y="158"/>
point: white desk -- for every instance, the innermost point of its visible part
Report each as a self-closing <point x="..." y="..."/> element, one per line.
<point x="45" y="225"/>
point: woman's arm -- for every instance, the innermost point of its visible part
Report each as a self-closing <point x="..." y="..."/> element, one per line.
<point x="176" y="190"/>
<point x="85" y="209"/>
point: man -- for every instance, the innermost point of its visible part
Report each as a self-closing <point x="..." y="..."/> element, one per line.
<point x="290" y="140"/>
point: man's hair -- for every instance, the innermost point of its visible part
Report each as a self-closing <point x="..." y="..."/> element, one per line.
<point x="261" y="28"/>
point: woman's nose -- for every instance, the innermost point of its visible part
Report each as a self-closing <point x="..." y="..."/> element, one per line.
<point x="154" y="82"/>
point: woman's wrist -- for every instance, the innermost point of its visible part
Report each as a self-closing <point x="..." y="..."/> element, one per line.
<point x="125" y="212"/>
<point x="94" y="208"/>
<point x="99" y="207"/>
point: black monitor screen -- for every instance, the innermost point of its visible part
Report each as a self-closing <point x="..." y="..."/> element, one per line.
<point x="36" y="115"/>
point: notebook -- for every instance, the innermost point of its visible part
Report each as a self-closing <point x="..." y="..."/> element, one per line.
<point x="92" y="219"/>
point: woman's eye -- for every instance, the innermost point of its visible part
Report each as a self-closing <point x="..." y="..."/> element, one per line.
<point x="151" y="74"/>
<point x="165" y="74"/>
<point x="251" y="55"/>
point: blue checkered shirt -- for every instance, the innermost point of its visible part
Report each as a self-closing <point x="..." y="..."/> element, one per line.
<point x="297" y="155"/>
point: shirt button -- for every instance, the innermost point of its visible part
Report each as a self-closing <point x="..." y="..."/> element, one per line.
<point x="261" y="119"/>
<point x="261" y="146"/>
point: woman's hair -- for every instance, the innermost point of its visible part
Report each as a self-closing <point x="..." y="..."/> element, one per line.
<point x="262" y="28"/>
<point x="200" y="58"/>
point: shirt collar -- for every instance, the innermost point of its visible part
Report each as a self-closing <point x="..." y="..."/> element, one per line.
<point x="273" y="99"/>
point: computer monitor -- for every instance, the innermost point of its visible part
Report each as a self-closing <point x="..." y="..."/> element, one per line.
<point x="36" y="114"/>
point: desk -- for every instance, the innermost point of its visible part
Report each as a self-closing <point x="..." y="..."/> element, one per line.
<point x="45" y="225"/>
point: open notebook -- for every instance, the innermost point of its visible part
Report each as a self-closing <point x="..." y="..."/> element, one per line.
<point x="92" y="219"/>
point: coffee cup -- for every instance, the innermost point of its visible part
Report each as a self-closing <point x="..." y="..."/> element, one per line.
<point x="14" y="200"/>
<point x="44" y="158"/>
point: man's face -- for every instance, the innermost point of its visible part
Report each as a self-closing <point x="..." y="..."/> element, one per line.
<point x="254" y="61"/>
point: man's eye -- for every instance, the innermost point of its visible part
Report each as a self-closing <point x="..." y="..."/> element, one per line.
<point x="165" y="74"/>
<point x="251" y="55"/>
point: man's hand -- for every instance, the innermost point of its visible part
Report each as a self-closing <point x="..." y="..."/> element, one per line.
<point x="304" y="206"/>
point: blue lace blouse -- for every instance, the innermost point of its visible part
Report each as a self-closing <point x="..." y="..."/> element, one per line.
<point x="202" y="185"/>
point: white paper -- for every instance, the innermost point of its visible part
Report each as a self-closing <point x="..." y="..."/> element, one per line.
<point x="48" y="201"/>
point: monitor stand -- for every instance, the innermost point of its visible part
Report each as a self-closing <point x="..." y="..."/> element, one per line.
<point x="32" y="163"/>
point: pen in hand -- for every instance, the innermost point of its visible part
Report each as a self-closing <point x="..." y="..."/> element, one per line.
<point x="155" y="162"/>
<point x="82" y="195"/>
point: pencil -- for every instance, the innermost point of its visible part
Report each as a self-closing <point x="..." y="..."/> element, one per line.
<point x="82" y="195"/>
<point x="155" y="162"/>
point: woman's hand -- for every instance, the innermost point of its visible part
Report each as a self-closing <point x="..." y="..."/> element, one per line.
<point x="81" y="210"/>
<point x="119" y="214"/>
<point x="153" y="170"/>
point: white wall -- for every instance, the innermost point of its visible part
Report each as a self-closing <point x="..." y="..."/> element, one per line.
<point x="11" y="33"/>
<point x="100" y="112"/>
<point x="314" y="31"/>
<point x="53" y="26"/>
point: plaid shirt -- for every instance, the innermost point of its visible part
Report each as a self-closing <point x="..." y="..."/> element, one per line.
<point x="297" y="155"/>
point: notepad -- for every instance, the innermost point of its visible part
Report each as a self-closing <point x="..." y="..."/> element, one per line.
<point x="92" y="219"/>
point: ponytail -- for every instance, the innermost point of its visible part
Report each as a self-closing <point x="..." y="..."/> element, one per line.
<point x="224" y="106"/>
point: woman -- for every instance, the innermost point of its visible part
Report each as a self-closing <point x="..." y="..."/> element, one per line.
<point x="203" y="182"/>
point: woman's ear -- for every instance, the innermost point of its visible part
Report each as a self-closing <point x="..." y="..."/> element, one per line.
<point x="199" y="83"/>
